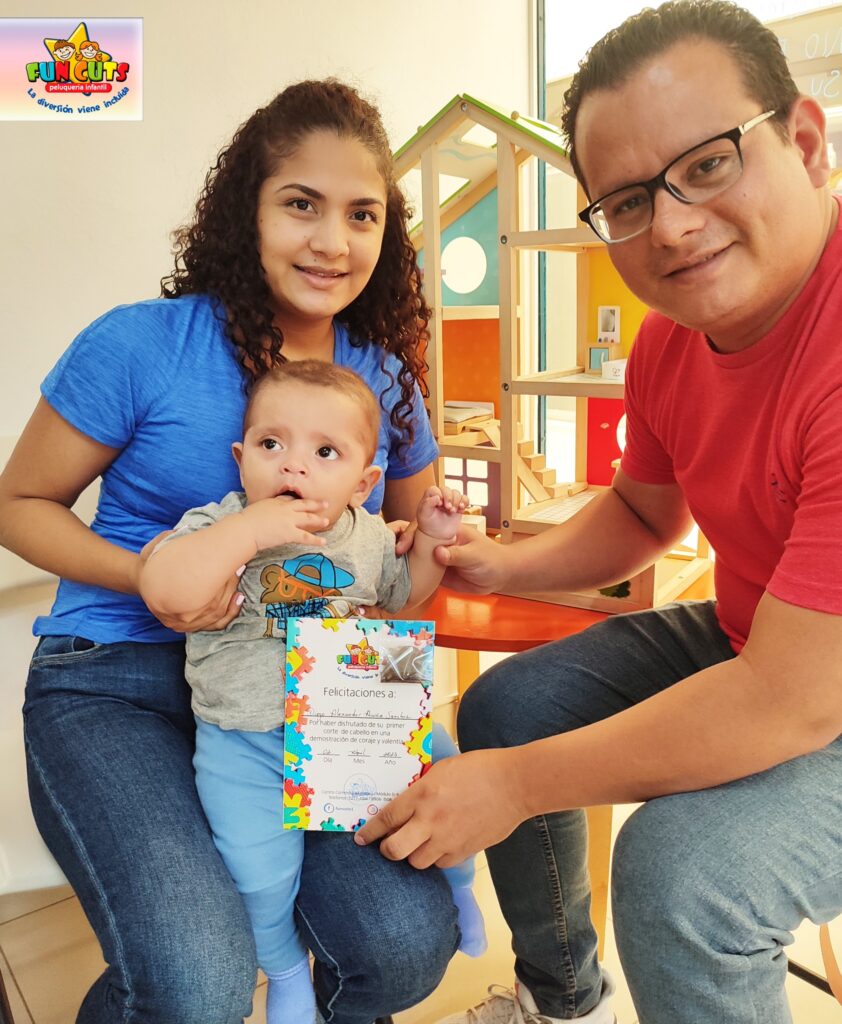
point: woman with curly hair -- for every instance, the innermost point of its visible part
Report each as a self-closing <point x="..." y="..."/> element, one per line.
<point x="298" y="249"/>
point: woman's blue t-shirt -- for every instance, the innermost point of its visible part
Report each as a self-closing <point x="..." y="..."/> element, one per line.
<point x="160" y="381"/>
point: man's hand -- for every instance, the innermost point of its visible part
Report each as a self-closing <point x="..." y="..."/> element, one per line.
<point x="276" y="521"/>
<point x="474" y="563"/>
<point x="461" y="806"/>
<point x="440" y="513"/>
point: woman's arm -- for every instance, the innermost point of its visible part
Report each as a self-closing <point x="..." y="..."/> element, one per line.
<point x="51" y="465"/>
<point x="400" y="503"/>
<point x="402" y="497"/>
<point x="186" y="572"/>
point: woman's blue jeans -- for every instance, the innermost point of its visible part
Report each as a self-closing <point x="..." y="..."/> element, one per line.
<point x="109" y="739"/>
<point x="706" y="886"/>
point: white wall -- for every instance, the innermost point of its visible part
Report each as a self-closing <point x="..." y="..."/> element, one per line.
<point x="87" y="209"/>
<point x="206" y="67"/>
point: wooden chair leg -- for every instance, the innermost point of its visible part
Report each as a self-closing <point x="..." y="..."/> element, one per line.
<point x="831" y="967"/>
<point x="5" y="1009"/>
<point x="599" y="861"/>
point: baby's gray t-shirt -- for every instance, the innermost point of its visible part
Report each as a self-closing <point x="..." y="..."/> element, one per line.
<point x="237" y="674"/>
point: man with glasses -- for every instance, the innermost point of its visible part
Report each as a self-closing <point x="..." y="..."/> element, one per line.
<point x="708" y="174"/>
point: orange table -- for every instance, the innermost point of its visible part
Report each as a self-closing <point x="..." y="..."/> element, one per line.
<point x="471" y="623"/>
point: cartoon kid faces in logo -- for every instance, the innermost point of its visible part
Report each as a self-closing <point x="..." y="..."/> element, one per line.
<point x="77" y="61"/>
<point x="360" y="656"/>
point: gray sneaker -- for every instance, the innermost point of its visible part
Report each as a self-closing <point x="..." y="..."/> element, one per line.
<point x="516" y="1006"/>
<point x="503" y="1006"/>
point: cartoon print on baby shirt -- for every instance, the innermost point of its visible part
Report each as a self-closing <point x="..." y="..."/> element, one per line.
<point x="301" y="587"/>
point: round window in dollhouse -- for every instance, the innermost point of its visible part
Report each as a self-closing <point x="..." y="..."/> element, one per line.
<point x="463" y="265"/>
<point x="621" y="433"/>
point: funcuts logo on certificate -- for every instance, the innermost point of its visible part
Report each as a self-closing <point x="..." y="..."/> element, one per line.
<point x="358" y="717"/>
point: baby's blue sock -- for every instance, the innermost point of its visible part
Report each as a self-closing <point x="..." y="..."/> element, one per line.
<point x="474" y="941"/>
<point x="460" y="876"/>
<point x="290" y="998"/>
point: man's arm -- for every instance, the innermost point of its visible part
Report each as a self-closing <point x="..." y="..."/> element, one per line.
<point x="778" y="699"/>
<point x="617" y="534"/>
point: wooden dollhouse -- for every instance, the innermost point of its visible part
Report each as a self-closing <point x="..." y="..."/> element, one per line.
<point x="475" y="164"/>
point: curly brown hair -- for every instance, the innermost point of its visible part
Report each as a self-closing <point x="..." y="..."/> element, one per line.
<point x="217" y="254"/>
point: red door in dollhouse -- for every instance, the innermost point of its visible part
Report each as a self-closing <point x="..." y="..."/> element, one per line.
<point x="604" y="415"/>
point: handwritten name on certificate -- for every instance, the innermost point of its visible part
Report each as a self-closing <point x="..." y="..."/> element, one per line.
<point x="358" y="717"/>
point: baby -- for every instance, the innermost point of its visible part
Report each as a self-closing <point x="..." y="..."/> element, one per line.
<point x="304" y="545"/>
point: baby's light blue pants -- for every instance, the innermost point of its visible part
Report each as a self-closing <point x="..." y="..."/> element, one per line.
<point x="240" y="779"/>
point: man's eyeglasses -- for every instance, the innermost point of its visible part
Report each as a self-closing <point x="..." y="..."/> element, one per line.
<point x="695" y="176"/>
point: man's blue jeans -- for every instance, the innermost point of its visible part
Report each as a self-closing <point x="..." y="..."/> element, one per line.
<point x="706" y="886"/>
<point x="109" y="740"/>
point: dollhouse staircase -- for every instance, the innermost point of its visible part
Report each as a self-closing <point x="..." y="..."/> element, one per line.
<point x="539" y="480"/>
<point x="534" y="475"/>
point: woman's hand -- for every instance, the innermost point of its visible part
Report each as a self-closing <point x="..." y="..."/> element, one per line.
<point x="404" y="532"/>
<point x="462" y="805"/>
<point x="216" y="614"/>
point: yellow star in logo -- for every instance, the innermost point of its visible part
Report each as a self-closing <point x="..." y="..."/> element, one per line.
<point x="363" y="645"/>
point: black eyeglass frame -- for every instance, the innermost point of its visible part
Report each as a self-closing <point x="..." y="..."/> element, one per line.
<point x="660" y="180"/>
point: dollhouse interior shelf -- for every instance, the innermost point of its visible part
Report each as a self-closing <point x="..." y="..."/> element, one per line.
<point x="470" y="313"/>
<point x="569" y="383"/>
<point x="559" y="510"/>
<point x="555" y="240"/>
<point x="483" y="452"/>
<point x="541" y="515"/>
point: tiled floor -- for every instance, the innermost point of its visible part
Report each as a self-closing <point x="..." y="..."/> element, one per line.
<point x="49" y="957"/>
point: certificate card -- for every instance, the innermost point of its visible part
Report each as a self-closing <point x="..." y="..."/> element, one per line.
<point x="358" y="717"/>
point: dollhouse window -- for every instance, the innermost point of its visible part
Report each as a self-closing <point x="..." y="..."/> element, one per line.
<point x="470" y="476"/>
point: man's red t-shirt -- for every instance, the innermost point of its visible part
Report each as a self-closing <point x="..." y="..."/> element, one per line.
<point x="754" y="440"/>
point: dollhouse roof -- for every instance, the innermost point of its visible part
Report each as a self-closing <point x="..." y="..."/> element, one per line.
<point x="471" y="162"/>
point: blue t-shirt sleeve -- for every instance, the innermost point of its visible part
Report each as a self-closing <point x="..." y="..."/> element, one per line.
<point x="104" y="383"/>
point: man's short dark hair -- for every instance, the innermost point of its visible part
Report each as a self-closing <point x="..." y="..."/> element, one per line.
<point x="623" y="50"/>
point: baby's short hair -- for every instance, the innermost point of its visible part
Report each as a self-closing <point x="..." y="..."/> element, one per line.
<point x="330" y="377"/>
